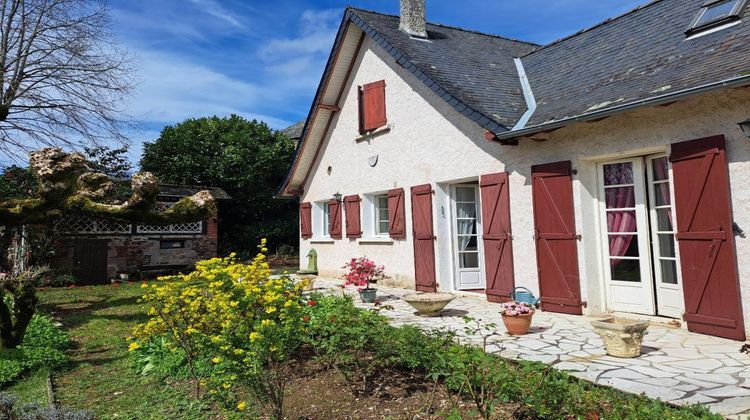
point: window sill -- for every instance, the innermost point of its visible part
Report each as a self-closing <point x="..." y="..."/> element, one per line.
<point x="321" y="241"/>
<point x="373" y="133"/>
<point x="375" y="241"/>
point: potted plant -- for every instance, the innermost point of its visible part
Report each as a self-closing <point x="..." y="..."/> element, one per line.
<point x="362" y="272"/>
<point x="517" y="317"/>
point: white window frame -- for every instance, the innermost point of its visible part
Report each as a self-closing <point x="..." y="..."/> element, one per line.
<point x="715" y="24"/>
<point x="320" y="216"/>
<point x="370" y="208"/>
<point x="377" y="215"/>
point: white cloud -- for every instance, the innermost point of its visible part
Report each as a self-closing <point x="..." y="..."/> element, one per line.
<point x="317" y="31"/>
<point x="216" y="10"/>
<point x="174" y="88"/>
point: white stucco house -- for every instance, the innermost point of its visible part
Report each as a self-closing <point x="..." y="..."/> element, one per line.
<point x="606" y="172"/>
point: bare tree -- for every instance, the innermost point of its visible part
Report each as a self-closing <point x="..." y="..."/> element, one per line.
<point x="62" y="75"/>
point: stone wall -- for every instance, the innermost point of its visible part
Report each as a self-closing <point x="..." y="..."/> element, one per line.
<point x="142" y="253"/>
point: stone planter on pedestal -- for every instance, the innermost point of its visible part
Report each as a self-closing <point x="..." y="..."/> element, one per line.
<point x="622" y="337"/>
<point x="428" y="304"/>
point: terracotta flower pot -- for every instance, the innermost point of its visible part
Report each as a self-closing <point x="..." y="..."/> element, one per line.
<point x="517" y="325"/>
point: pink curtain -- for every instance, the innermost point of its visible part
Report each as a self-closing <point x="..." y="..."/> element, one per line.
<point x="617" y="198"/>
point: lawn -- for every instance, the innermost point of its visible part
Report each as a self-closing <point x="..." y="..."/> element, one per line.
<point x="99" y="377"/>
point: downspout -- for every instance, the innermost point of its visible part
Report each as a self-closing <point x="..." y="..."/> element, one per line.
<point x="527" y="94"/>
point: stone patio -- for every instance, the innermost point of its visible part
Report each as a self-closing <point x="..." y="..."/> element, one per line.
<point x="677" y="366"/>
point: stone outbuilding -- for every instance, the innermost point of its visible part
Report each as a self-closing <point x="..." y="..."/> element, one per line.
<point x="96" y="251"/>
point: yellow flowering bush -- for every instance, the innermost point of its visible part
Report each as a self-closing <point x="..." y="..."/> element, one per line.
<point x="236" y="318"/>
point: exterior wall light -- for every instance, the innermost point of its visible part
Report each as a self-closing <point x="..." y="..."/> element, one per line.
<point x="337" y="197"/>
<point x="745" y="126"/>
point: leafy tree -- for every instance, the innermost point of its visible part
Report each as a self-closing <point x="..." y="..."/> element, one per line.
<point x="16" y="182"/>
<point x="112" y="162"/>
<point x="246" y="159"/>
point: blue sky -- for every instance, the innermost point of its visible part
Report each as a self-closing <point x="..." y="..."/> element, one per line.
<point x="264" y="59"/>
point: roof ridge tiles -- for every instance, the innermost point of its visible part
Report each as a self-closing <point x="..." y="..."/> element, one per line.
<point x="458" y="28"/>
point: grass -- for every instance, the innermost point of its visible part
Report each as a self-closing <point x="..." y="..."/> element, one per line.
<point x="99" y="377"/>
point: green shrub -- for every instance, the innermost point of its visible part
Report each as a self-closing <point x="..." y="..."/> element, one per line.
<point x="9" y="410"/>
<point x="42" y="347"/>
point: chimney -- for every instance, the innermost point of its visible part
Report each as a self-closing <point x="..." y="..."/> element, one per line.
<point x="413" y="18"/>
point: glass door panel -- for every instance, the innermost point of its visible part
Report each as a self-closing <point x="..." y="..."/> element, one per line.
<point x="669" y="296"/>
<point x="466" y="238"/>
<point x="626" y="239"/>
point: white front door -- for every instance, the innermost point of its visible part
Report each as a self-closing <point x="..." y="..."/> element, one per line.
<point x="466" y="246"/>
<point x="638" y="237"/>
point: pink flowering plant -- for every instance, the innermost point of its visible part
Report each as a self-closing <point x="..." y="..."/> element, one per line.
<point x="363" y="271"/>
<point x="516" y="309"/>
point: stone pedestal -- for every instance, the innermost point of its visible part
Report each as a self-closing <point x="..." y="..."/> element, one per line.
<point x="622" y="337"/>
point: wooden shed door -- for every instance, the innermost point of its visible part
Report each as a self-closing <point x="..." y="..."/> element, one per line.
<point x="705" y="237"/>
<point x="496" y="235"/>
<point x="555" y="235"/>
<point x="90" y="260"/>
<point x="424" y="238"/>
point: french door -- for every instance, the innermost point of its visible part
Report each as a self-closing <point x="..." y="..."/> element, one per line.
<point x="466" y="228"/>
<point x="641" y="270"/>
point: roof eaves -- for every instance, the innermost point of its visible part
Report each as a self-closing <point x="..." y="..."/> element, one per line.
<point x="739" y="81"/>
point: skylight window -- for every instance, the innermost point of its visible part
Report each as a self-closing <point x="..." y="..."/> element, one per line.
<point x="715" y="13"/>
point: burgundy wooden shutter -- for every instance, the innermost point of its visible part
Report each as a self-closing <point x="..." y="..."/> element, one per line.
<point x="305" y="220"/>
<point x="396" y="214"/>
<point x="424" y="238"/>
<point x="555" y="235"/>
<point x="496" y="236"/>
<point x="353" y="224"/>
<point x="706" y="239"/>
<point x="372" y="106"/>
<point x="334" y="219"/>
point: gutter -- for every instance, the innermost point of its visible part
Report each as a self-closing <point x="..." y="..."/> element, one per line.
<point x="656" y="100"/>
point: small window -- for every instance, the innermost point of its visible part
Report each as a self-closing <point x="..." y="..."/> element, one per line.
<point x="171" y="244"/>
<point x="715" y="13"/>
<point x="381" y="214"/>
<point x="326" y="227"/>
<point x="372" y="107"/>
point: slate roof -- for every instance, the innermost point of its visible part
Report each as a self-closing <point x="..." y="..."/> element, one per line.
<point x="294" y="131"/>
<point x="474" y="67"/>
<point x="639" y="55"/>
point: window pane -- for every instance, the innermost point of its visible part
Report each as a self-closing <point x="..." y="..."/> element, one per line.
<point x="618" y="173"/>
<point x="661" y="192"/>
<point x="623" y="246"/>
<point x="621" y="221"/>
<point x="383" y="227"/>
<point x="716" y="12"/>
<point x="466" y="227"/>
<point x="666" y="245"/>
<point x="664" y="220"/>
<point x="383" y="202"/>
<point x="466" y="210"/>
<point x="661" y="169"/>
<point x="619" y="197"/>
<point x="668" y="271"/>
<point x="468" y="259"/>
<point x="326" y="226"/>
<point x="625" y="270"/>
<point x="465" y="194"/>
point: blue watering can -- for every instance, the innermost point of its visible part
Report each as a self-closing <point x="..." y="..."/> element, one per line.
<point x="524" y="295"/>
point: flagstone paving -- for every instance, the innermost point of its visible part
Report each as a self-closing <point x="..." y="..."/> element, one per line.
<point x="677" y="366"/>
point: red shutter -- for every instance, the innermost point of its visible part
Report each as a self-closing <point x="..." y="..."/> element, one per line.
<point x="706" y="238"/>
<point x="496" y="236"/>
<point x="351" y="208"/>
<point x="334" y="219"/>
<point x="372" y="106"/>
<point x="424" y="238"/>
<point x="555" y="235"/>
<point x="305" y="220"/>
<point x="396" y="214"/>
